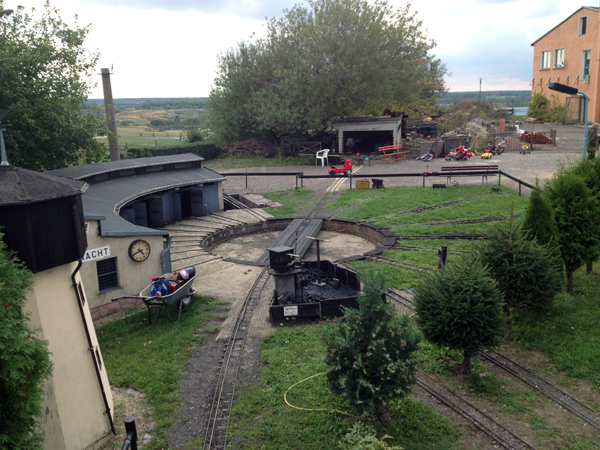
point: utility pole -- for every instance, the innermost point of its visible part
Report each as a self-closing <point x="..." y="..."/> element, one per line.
<point x="109" y="108"/>
<point x="480" y="89"/>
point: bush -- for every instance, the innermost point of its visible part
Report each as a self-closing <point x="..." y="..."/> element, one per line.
<point x="369" y="354"/>
<point x="208" y="150"/>
<point x="24" y="361"/>
<point x="460" y="307"/>
<point x="363" y="437"/>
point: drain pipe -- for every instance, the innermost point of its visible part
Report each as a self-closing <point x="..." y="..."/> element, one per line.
<point x="80" y="301"/>
<point x="165" y="256"/>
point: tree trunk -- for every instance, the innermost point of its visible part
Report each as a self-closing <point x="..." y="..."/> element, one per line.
<point x="569" y="281"/>
<point x="378" y="414"/>
<point x="508" y="327"/>
<point x="508" y="336"/>
<point x="588" y="268"/>
<point x="466" y="365"/>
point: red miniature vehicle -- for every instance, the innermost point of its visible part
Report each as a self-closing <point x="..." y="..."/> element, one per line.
<point x="347" y="169"/>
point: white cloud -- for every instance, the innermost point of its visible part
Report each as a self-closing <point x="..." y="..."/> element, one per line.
<point x="169" y="48"/>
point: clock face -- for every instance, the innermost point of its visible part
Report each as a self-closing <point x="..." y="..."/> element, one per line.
<point x="139" y="250"/>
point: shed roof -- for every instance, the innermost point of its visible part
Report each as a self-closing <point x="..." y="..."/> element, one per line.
<point x="22" y="186"/>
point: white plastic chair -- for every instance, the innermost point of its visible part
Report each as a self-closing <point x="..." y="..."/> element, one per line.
<point x="322" y="155"/>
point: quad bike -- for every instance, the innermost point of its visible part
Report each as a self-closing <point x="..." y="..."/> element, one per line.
<point x="347" y="169"/>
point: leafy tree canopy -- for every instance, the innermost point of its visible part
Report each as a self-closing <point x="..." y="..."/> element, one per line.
<point x="44" y="78"/>
<point x="333" y="58"/>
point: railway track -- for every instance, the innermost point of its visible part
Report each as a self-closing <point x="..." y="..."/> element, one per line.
<point x="533" y="380"/>
<point x="219" y="417"/>
<point x="444" y="237"/>
<point x="504" y="437"/>
<point x="401" y="264"/>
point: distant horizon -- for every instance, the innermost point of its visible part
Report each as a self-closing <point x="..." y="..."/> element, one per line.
<point x="200" y="98"/>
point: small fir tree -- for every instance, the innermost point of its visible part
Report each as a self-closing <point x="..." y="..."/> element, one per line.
<point x="529" y="275"/>
<point x="460" y="308"/>
<point x="369" y="354"/>
<point x="24" y="361"/>
<point x="578" y="221"/>
<point x="539" y="222"/>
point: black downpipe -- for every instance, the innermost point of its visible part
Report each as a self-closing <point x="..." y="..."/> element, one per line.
<point x="91" y="347"/>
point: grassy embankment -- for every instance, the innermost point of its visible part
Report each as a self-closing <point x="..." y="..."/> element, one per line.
<point x="565" y="343"/>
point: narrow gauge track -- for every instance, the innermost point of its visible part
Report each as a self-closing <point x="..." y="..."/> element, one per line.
<point x="444" y="237"/>
<point x="219" y="417"/>
<point x="465" y="222"/>
<point x="220" y="413"/>
<point x="504" y="437"/>
<point x="533" y="380"/>
<point x="401" y="264"/>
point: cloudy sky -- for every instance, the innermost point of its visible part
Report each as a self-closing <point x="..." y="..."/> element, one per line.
<point x="169" y="48"/>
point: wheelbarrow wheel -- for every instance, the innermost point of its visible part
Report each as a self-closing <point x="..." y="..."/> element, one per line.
<point x="187" y="301"/>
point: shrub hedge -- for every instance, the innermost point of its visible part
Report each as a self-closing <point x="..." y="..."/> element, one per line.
<point x="208" y="150"/>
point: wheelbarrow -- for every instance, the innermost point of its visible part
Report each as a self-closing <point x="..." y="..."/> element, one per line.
<point x="183" y="296"/>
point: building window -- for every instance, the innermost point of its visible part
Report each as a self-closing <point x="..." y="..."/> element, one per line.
<point x="545" y="62"/>
<point x="582" y="25"/>
<point x="108" y="278"/>
<point x="586" y="58"/>
<point x="559" y="58"/>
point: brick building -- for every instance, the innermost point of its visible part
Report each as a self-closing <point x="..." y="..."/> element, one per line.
<point x="569" y="54"/>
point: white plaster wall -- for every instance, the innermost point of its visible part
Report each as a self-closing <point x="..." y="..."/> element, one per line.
<point x="74" y="411"/>
<point x="133" y="276"/>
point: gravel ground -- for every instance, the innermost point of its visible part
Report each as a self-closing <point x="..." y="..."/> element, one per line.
<point x="540" y="164"/>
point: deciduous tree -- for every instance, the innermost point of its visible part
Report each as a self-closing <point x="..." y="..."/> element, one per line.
<point x="332" y="58"/>
<point x="44" y="78"/>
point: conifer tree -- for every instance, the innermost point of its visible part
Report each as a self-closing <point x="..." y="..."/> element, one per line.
<point x="539" y="222"/>
<point x="589" y="170"/>
<point x="460" y="307"/>
<point x="577" y="216"/>
<point x="24" y="361"/>
<point x="529" y="275"/>
<point x="369" y="354"/>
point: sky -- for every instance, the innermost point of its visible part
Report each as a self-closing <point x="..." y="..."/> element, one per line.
<point x="170" y="48"/>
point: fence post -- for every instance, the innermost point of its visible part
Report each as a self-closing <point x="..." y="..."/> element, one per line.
<point x="499" y="176"/>
<point x="424" y="175"/>
<point x="296" y="181"/>
<point x="519" y="188"/>
<point x="246" y="173"/>
<point x="130" y="441"/>
<point x="301" y="179"/>
<point x="350" y="180"/>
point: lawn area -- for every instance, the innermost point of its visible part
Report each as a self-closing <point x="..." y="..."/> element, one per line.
<point x="263" y="421"/>
<point x="564" y="344"/>
<point x="152" y="357"/>
<point x="146" y="137"/>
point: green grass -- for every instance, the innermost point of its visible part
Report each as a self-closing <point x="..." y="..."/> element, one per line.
<point x="294" y="201"/>
<point x="569" y="335"/>
<point x="145" y="137"/>
<point x="152" y="357"/>
<point x="263" y="421"/>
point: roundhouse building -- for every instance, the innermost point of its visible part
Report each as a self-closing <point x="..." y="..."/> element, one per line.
<point x="126" y="204"/>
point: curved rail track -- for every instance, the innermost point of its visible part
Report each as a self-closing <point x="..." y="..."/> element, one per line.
<point x="220" y="413"/>
<point x="533" y="380"/>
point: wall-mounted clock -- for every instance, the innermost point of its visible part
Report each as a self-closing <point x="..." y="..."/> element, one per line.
<point x="139" y="250"/>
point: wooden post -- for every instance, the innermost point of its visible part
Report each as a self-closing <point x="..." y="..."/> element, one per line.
<point x="109" y="109"/>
